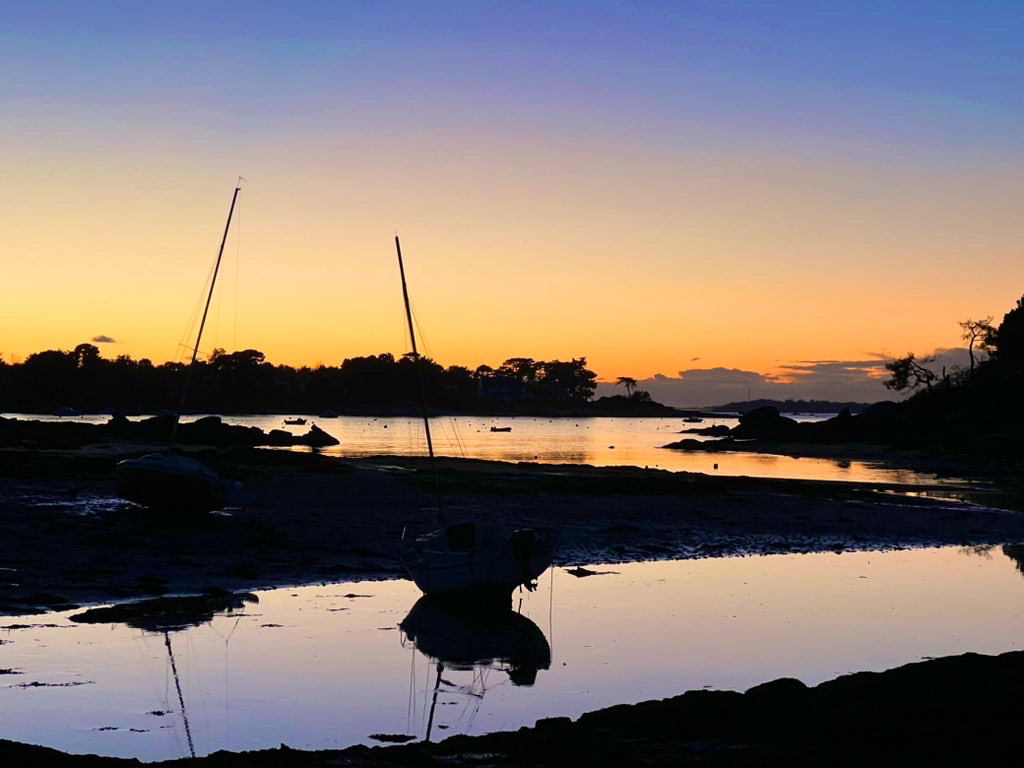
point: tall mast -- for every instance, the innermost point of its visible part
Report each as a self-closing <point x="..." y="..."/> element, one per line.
<point x="419" y="380"/>
<point x="206" y="310"/>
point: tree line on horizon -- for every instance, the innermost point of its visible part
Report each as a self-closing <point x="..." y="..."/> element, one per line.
<point x="244" y="380"/>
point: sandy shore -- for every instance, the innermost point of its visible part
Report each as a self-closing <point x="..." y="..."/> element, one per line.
<point x="305" y="518"/>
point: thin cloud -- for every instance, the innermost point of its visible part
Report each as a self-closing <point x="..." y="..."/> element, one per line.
<point x="103" y="339"/>
<point x="838" y="380"/>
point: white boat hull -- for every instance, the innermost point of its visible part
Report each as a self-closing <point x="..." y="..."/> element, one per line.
<point x="498" y="560"/>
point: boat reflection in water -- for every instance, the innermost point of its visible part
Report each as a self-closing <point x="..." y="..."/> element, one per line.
<point x="165" y="615"/>
<point x="471" y="638"/>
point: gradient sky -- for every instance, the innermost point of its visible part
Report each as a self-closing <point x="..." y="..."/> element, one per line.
<point x="657" y="186"/>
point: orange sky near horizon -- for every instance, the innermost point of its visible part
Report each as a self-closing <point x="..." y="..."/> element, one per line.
<point x="639" y="258"/>
<point x="654" y="187"/>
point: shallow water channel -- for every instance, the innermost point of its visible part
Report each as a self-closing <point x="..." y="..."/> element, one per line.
<point x="327" y="666"/>
<point x="602" y="442"/>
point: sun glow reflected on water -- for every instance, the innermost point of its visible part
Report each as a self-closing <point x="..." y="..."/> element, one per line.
<point x="604" y="441"/>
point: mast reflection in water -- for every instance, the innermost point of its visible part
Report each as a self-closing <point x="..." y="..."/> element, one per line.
<point x="166" y="615"/>
<point x="473" y="639"/>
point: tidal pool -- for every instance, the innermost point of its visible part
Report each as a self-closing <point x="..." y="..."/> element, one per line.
<point x="328" y="666"/>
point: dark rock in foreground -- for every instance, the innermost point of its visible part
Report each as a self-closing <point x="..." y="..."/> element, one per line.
<point x="961" y="710"/>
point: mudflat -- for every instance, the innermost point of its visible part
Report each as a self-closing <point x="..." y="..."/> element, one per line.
<point x="65" y="539"/>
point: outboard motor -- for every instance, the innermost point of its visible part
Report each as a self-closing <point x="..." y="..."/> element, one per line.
<point x="523" y="543"/>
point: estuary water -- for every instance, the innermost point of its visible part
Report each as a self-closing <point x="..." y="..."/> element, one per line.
<point x="602" y="441"/>
<point x="332" y="665"/>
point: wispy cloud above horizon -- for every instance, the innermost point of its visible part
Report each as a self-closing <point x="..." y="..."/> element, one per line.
<point x="104" y="339"/>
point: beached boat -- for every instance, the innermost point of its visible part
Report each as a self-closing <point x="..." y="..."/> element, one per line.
<point x="471" y="560"/>
<point x="471" y="557"/>
<point x="169" y="481"/>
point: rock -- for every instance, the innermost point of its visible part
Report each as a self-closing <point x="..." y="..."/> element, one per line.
<point x="317" y="438"/>
<point x="784" y="688"/>
<point x="766" y="423"/>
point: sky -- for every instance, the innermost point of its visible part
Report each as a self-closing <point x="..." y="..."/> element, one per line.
<point x="784" y="190"/>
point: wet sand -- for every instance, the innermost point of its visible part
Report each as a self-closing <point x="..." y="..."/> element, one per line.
<point x="306" y="518"/>
<point x="961" y="710"/>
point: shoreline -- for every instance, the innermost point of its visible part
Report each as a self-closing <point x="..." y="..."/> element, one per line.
<point x="309" y="518"/>
<point x="911" y="713"/>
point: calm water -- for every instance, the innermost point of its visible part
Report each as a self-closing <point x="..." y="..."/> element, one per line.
<point x="596" y="441"/>
<point x="327" y="666"/>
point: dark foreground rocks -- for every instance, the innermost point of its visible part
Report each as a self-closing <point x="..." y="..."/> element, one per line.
<point x="963" y="710"/>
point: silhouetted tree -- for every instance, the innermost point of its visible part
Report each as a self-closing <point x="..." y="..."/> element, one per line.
<point x="628" y="382"/>
<point x="1008" y="339"/>
<point x="86" y="355"/>
<point x="976" y="332"/>
<point x="524" y="370"/>
<point x="910" y="373"/>
<point x="571" y="378"/>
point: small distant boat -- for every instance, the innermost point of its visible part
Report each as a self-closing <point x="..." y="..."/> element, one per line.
<point x="296" y="422"/>
<point x="501" y="429"/>
<point x="693" y="419"/>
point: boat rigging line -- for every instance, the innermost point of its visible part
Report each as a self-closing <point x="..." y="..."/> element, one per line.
<point x="206" y="310"/>
<point x="419" y="380"/>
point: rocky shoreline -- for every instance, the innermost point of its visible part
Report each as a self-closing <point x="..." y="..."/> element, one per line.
<point x="960" y="710"/>
<point x="207" y="431"/>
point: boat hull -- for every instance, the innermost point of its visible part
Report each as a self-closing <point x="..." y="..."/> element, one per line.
<point x="182" y="485"/>
<point x="499" y="560"/>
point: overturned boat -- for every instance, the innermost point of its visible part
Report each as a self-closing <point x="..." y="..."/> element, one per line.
<point x="170" y="481"/>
